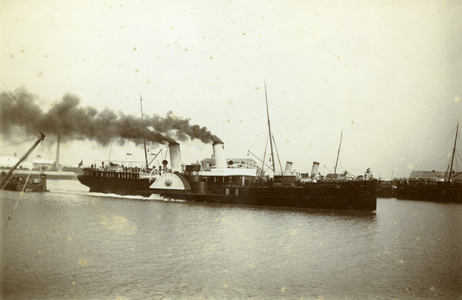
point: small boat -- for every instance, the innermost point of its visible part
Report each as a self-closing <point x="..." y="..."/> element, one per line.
<point x="27" y="183"/>
<point x="23" y="181"/>
<point x="432" y="185"/>
<point x="387" y="188"/>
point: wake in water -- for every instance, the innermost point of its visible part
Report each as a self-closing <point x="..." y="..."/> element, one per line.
<point x="153" y="197"/>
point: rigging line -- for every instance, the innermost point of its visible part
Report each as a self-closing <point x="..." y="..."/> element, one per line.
<point x="309" y="145"/>
<point x="316" y="136"/>
<point x="18" y="143"/>
<point x="453" y="153"/>
<point x="144" y="140"/>
<point x="328" y="158"/>
<point x="365" y="193"/>
<point x="352" y="166"/>
<point x="348" y="165"/>
<point x="14" y="98"/>
<point x="338" y="154"/>
<point x="458" y="155"/>
<point x="269" y="130"/>
<point x="344" y="160"/>
<point x="264" y="129"/>
<point x="277" y="153"/>
<point x="24" y="187"/>
<point x="19" y="197"/>
<point x="343" y="165"/>
<point x="10" y="173"/>
<point x="444" y="155"/>
<point x="429" y="160"/>
<point x="264" y="156"/>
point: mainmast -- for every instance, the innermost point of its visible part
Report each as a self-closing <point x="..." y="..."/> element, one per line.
<point x="338" y="154"/>
<point x="269" y="129"/>
<point x="144" y="140"/>
<point x="453" y="153"/>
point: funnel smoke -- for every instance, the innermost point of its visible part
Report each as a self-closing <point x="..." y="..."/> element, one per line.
<point x="86" y="123"/>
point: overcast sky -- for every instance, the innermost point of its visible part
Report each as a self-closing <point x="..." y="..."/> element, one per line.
<point x="387" y="73"/>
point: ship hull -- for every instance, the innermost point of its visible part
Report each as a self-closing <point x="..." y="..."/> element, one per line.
<point x="125" y="187"/>
<point x="387" y="192"/>
<point x="30" y="183"/>
<point x="30" y="187"/>
<point x="349" y="195"/>
<point x="353" y="195"/>
<point x="310" y="202"/>
<point x="436" y="192"/>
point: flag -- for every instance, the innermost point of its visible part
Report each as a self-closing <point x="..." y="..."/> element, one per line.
<point x="80" y="163"/>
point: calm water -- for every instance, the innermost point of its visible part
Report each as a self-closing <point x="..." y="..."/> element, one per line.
<point x="70" y="244"/>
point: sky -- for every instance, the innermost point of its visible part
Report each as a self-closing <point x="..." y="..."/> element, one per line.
<point x="385" y="77"/>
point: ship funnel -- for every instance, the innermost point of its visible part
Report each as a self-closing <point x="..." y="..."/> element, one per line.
<point x="219" y="154"/>
<point x="288" y="166"/>
<point x="175" y="157"/>
<point x="314" y="169"/>
<point x="58" y="144"/>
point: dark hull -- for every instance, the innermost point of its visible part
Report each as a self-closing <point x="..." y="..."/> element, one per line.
<point x="288" y="198"/>
<point x="437" y="192"/>
<point x="125" y="187"/>
<point x="387" y="192"/>
<point x="350" y="195"/>
<point x="35" y="183"/>
<point x="18" y="187"/>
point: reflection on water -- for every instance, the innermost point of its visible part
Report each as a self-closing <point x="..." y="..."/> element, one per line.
<point x="69" y="244"/>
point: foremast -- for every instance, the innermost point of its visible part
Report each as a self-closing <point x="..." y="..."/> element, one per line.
<point x="269" y="129"/>
<point x="144" y="140"/>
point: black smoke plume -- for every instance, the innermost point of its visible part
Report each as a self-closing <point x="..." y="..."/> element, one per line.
<point x="74" y="122"/>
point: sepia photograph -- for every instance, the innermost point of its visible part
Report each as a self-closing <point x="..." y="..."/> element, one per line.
<point x="229" y="149"/>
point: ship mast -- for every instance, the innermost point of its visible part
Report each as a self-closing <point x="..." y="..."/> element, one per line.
<point x="338" y="154"/>
<point x="269" y="129"/>
<point x="144" y="140"/>
<point x="453" y="153"/>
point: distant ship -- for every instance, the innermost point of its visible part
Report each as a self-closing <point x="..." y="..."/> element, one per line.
<point x="432" y="185"/>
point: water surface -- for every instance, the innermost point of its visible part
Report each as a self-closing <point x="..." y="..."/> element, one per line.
<point x="71" y="244"/>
